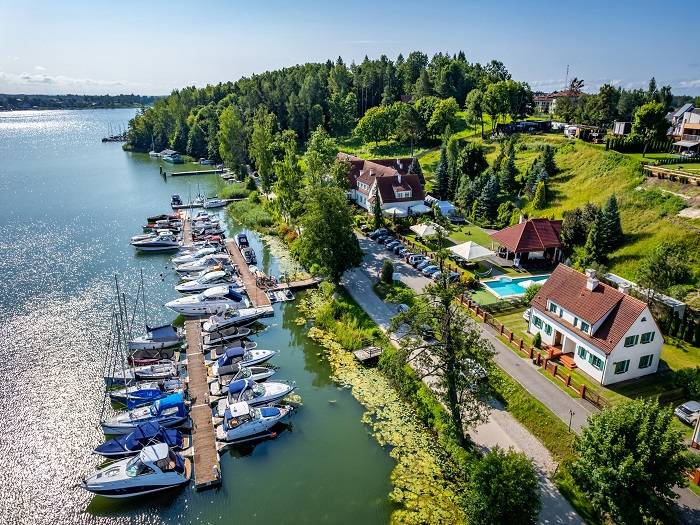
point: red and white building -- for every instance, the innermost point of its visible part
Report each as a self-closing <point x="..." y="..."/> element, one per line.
<point x="610" y="335"/>
<point x="396" y="187"/>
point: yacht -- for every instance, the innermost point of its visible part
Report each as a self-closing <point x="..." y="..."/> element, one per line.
<point x="156" y="468"/>
<point x="176" y="202"/>
<point x="156" y="338"/>
<point x="214" y="203"/>
<point x="249" y="255"/>
<point x="182" y="259"/>
<point x="144" y="435"/>
<point x="245" y="423"/>
<point x="208" y="280"/>
<point x="160" y="243"/>
<point x="219" y="386"/>
<point x="145" y="392"/>
<point x="235" y="317"/>
<point x="203" y="263"/>
<point x="167" y="412"/>
<point x="236" y="356"/>
<point x="253" y="393"/>
<point x="208" y="301"/>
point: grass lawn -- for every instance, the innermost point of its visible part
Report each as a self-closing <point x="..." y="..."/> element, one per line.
<point x="472" y="233"/>
<point x="484" y="298"/>
<point x="678" y="354"/>
<point x="515" y="323"/>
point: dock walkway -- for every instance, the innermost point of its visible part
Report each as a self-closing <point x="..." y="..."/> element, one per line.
<point x="194" y="172"/>
<point x="207" y="470"/>
<point x="257" y="296"/>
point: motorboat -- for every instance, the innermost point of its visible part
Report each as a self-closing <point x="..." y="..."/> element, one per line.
<point x="164" y="217"/>
<point x="203" y="263"/>
<point x="156" y="338"/>
<point x="154" y="469"/>
<point x="181" y="259"/>
<point x="224" y="335"/>
<point x="241" y="240"/>
<point x="152" y="372"/>
<point x="245" y="423"/>
<point x="249" y="255"/>
<point x="208" y="280"/>
<point x="225" y="266"/>
<point x="144" y="435"/>
<point x="253" y="393"/>
<point x="160" y="243"/>
<point x="167" y="412"/>
<point x="145" y="392"/>
<point x="208" y="301"/>
<point x="219" y="386"/>
<point x="236" y="356"/>
<point x="214" y="203"/>
<point x="175" y="202"/>
<point x="235" y="317"/>
<point x="154" y="154"/>
<point x="215" y="352"/>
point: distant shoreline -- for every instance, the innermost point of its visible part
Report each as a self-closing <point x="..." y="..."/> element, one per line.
<point x="26" y="102"/>
<point x="47" y="108"/>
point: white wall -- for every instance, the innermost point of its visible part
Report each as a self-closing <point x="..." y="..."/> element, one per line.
<point x="633" y="353"/>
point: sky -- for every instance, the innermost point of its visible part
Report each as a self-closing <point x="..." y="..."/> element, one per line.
<point x="153" y="46"/>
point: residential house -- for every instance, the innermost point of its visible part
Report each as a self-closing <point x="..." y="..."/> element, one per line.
<point x="676" y="119"/>
<point x="607" y="333"/>
<point x="542" y="102"/>
<point x="689" y="132"/>
<point x="531" y="240"/>
<point x="397" y="188"/>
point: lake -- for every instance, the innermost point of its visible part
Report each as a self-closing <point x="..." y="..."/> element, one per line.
<point x="69" y="206"/>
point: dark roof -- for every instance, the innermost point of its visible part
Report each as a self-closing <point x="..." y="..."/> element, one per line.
<point x="684" y="108"/>
<point x="388" y="173"/>
<point x="567" y="288"/>
<point x="534" y="235"/>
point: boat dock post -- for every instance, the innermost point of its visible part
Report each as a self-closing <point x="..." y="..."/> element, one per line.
<point x="207" y="470"/>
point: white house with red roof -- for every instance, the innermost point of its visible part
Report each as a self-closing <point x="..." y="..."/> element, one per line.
<point x="397" y="187"/>
<point x="610" y="335"/>
<point x="531" y="239"/>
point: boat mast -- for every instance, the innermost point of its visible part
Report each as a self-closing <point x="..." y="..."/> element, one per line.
<point x="143" y="291"/>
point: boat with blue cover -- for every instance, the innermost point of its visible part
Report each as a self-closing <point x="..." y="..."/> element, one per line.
<point x="168" y="412"/>
<point x="154" y="469"/>
<point x="219" y="387"/>
<point x="145" y="434"/>
<point x="253" y="393"/>
<point x="235" y="357"/>
<point x="145" y="392"/>
<point x="245" y="423"/>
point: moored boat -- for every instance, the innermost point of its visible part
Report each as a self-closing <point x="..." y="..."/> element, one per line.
<point x="208" y="301"/>
<point x="167" y="412"/>
<point x="144" y="435"/>
<point x="253" y="393"/>
<point x="244" y="423"/>
<point x="235" y="357"/>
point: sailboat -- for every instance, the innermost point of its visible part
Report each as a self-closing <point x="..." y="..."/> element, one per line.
<point x="153" y="153"/>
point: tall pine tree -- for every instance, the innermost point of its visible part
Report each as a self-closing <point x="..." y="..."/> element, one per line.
<point x="442" y="174"/>
<point x="611" y="228"/>
<point x="593" y="251"/>
<point x="509" y="186"/>
<point x="486" y="206"/>
<point x="377" y="209"/>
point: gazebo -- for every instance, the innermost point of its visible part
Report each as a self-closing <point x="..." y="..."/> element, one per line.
<point x="471" y="252"/>
<point x="530" y="240"/>
<point x="426" y="229"/>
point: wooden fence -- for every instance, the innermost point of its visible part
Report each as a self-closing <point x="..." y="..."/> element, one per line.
<point x="544" y="357"/>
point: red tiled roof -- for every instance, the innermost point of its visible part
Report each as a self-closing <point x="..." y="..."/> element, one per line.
<point x="567" y="288"/>
<point x="534" y="235"/>
<point x="386" y="172"/>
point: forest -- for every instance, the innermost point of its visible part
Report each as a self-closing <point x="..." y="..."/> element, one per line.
<point x="18" y="102"/>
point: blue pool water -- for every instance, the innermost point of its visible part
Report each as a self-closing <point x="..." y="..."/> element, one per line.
<point x="512" y="287"/>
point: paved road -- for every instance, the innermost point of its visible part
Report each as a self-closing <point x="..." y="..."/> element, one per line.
<point x="501" y="429"/>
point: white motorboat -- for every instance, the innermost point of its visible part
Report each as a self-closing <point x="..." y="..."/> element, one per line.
<point x="181" y="259"/>
<point x="224" y="335"/>
<point x="214" y="203"/>
<point x="219" y="386"/>
<point x="208" y="280"/>
<point x="215" y="352"/>
<point x="208" y="301"/>
<point x="168" y="412"/>
<point x="245" y="423"/>
<point x="154" y="469"/>
<point x="154" y="372"/>
<point x="203" y="263"/>
<point x="162" y="242"/>
<point x="253" y="393"/>
<point x="145" y="392"/>
<point x="249" y="255"/>
<point x="156" y="338"/>
<point x="236" y="357"/>
<point x="235" y="317"/>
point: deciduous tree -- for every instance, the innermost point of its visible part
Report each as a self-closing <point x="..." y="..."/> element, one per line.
<point x="261" y="145"/>
<point x="232" y="139"/>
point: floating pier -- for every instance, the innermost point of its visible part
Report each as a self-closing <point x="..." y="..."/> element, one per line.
<point x="297" y="285"/>
<point x="207" y="470"/>
<point x="257" y="295"/>
<point x="195" y="172"/>
<point x="368" y="355"/>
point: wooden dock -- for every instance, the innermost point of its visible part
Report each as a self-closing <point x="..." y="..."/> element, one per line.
<point x="257" y="295"/>
<point x="297" y="285"/>
<point x="368" y="354"/>
<point x="194" y="172"/>
<point x="207" y="471"/>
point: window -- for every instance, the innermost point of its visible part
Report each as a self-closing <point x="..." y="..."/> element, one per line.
<point x="561" y="311"/>
<point x="581" y="351"/>
<point x="575" y="322"/>
<point x="552" y="307"/>
<point x="631" y="340"/>
<point x="596" y="361"/>
<point x="646" y="360"/>
<point x="547" y="329"/>
<point x="647" y="337"/>
<point x="621" y="366"/>
<point x="585" y="326"/>
<point x="537" y="322"/>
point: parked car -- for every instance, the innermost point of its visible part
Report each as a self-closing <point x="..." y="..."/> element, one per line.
<point x="452" y="276"/>
<point x="397" y="249"/>
<point x="384" y="239"/>
<point x="407" y="255"/>
<point x="378" y="233"/>
<point x="688" y="412"/>
<point x="526" y="315"/>
<point x="402" y="252"/>
<point x="435" y="275"/>
<point x="688" y="154"/>
<point x="391" y="244"/>
<point x="416" y="259"/>
<point x="423" y="264"/>
<point x="429" y="270"/>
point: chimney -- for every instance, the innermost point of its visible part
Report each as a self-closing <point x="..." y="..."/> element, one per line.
<point x="624" y="288"/>
<point x="521" y="219"/>
<point x="591" y="280"/>
<point x="371" y="173"/>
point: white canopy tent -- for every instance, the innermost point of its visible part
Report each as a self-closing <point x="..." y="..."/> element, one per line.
<point x="470" y="251"/>
<point x="395" y="212"/>
<point x="426" y="229"/>
<point x="420" y="209"/>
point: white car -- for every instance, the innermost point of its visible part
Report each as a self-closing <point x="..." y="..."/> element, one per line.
<point x="688" y="412"/>
<point x="526" y="315"/>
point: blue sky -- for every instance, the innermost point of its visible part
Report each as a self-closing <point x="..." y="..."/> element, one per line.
<point x="154" y="46"/>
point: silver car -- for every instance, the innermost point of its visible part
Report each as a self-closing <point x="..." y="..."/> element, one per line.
<point x="688" y="412"/>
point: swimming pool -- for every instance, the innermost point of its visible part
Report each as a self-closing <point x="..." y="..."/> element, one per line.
<point x="505" y="287"/>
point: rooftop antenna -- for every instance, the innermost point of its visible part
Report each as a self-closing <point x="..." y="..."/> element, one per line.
<point x="566" y="80"/>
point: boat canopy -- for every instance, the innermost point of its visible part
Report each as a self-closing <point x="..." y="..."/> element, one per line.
<point x="162" y="333"/>
<point x="230" y="354"/>
<point x="237" y="409"/>
<point x="153" y="453"/>
<point x="239" y="385"/>
<point x="142" y="397"/>
<point x="269" y="411"/>
<point x="233" y="294"/>
<point x="171" y="401"/>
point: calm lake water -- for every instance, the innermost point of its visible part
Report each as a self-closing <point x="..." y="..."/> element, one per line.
<point x="69" y="205"/>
